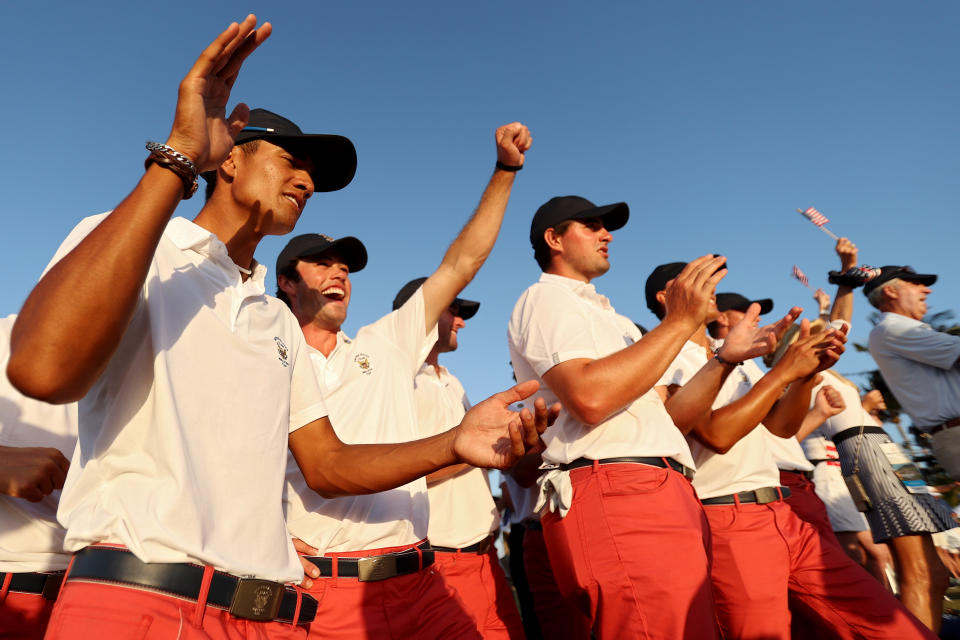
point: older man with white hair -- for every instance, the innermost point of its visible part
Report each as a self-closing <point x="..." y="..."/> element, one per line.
<point x="920" y="364"/>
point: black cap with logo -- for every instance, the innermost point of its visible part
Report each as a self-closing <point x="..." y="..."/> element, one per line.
<point x="467" y="308"/>
<point x="891" y="272"/>
<point x="313" y="244"/>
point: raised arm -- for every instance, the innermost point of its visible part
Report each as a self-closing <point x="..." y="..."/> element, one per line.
<point x="76" y="315"/>
<point x="827" y="403"/>
<point x="490" y="436"/>
<point x="591" y="390"/>
<point x="471" y="247"/>
<point x="843" y="303"/>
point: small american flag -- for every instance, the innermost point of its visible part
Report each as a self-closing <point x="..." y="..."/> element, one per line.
<point x="801" y="276"/>
<point x="815" y="216"/>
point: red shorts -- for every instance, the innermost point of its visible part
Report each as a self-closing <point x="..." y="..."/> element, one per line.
<point x="557" y="619"/>
<point x="762" y="553"/>
<point x="482" y="586"/>
<point x="633" y="553"/>
<point x="416" y="605"/>
<point x="807" y="504"/>
<point x="23" y="616"/>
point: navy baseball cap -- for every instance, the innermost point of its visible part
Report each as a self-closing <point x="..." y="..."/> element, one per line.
<point x="737" y="302"/>
<point x="313" y="244"/>
<point x="556" y="210"/>
<point x="891" y="272"/>
<point x="468" y="308"/>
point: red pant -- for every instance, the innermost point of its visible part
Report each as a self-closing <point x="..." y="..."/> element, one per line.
<point x="633" y="553"/>
<point x="482" y="586"/>
<point x="763" y="552"/>
<point x="97" y="611"/>
<point x="417" y="605"/>
<point x="557" y="618"/>
<point x="24" y="616"/>
<point x="807" y="504"/>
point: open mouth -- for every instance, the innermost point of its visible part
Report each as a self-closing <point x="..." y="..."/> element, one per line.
<point x="295" y="202"/>
<point x="334" y="293"/>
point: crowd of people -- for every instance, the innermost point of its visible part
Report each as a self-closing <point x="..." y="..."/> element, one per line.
<point x="183" y="454"/>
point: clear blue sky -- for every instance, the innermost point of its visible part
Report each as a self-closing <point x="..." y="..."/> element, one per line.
<point x="714" y="121"/>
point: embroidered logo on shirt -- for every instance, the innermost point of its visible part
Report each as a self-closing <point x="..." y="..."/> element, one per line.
<point x="282" y="351"/>
<point x="363" y="361"/>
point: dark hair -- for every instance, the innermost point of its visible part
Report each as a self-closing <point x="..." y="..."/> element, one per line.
<point x="541" y="252"/>
<point x="211" y="176"/>
<point x="291" y="273"/>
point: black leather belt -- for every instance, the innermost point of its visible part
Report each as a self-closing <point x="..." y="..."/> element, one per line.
<point x="41" y="584"/>
<point x="478" y="548"/>
<point x="763" y="495"/>
<point x="248" y="598"/>
<point x="663" y="463"/>
<point x="853" y="432"/>
<point x="373" y="568"/>
<point x="949" y="424"/>
<point x="827" y="460"/>
<point x="806" y="474"/>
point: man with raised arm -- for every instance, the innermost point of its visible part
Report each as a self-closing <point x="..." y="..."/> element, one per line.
<point x="626" y="535"/>
<point x="192" y="381"/>
<point x="762" y="551"/>
<point x="368" y="385"/>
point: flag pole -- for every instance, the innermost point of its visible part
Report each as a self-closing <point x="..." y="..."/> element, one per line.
<point x="824" y="229"/>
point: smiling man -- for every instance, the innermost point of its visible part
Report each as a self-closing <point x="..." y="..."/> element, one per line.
<point x="368" y="386"/>
<point x="920" y="365"/>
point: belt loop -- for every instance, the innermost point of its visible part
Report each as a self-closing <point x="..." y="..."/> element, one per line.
<point x="296" y="611"/>
<point x="7" y="579"/>
<point x="666" y="463"/>
<point x="596" y="466"/>
<point x="420" y="557"/>
<point x="736" y="501"/>
<point x="334" y="567"/>
<point x="780" y="493"/>
<point x="201" y="606"/>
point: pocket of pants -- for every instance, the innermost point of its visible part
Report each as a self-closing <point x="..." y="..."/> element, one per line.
<point x="631" y="479"/>
<point x="77" y="622"/>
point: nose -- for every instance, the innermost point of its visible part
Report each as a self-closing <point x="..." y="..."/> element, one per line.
<point x="304" y="183"/>
<point x="458" y="322"/>
<point x="605" y="235"/>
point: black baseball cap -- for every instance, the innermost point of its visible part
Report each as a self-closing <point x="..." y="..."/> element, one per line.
<point x="890" y="272"/>
<point x="334" y="157"/>
<point x="737" y="302"/>
<point x="657" y="282"/>
<point x="561" y="208"/>
<point x="313" y="244"/>
<point x="468" y="308"/>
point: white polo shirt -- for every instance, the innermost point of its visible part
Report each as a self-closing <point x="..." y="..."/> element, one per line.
<point x="749" y="464"/>
<point x="559" y="319"/>
<point x="917" y="363"/>
<point x="31" y="539"/>
<point x="183" y="438"/>
<point x="368" y="386"/>
<point x="462" y="510"/>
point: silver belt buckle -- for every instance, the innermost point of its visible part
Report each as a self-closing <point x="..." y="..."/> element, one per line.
<point x="256" y="599"/>
<point x="373" y="568"/>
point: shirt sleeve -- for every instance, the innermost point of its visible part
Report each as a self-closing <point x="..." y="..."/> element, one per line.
<point x="547" y="329"/>
<point x="918" y="342"/>
<point x="406" y="328"/>
<point x="306" y="399"/>
<point x="75" y="237"/>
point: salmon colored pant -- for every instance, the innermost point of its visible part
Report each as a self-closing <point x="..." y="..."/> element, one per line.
<point x="764" y="555"/>
<point x="633" y="553"/>
<point x="23" y="616"/>
<point x="557" y="618"/>
<point x="482" y="586"/>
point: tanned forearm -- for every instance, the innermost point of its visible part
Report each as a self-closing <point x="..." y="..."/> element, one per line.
<point x="76" y="315"/>
<point x="592" y="390"/>
<point x="810" y="423"/>
<point x="447" y="472"/>
<point x="692" y="403"/>
<point x="727" y="425"/>
<point x="842" y="305"/>
<point x="786" y="417"/>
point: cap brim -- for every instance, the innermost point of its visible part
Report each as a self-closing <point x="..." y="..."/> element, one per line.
<point x="614" y="216"/>
<point x="926" y="279"/>
<point x="467" y="308"/>
<point x="334" y="157"/>
<point x="766" y="305"/>
<point x="350" y="248"/>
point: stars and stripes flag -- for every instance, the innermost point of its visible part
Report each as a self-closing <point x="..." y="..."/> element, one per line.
<point x="818" y="219"/>
<point x="801" y="276"/>
<point x="815" y="216"/>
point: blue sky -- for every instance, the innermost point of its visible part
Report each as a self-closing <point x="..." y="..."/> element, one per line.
<point x="714" y="121"/>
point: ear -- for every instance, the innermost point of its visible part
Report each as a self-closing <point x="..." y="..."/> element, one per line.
<point x="662" y="298"/>
<point x="553" y="239"/>
<point x="287" y="285"/>
<point x="228" y="168"/>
